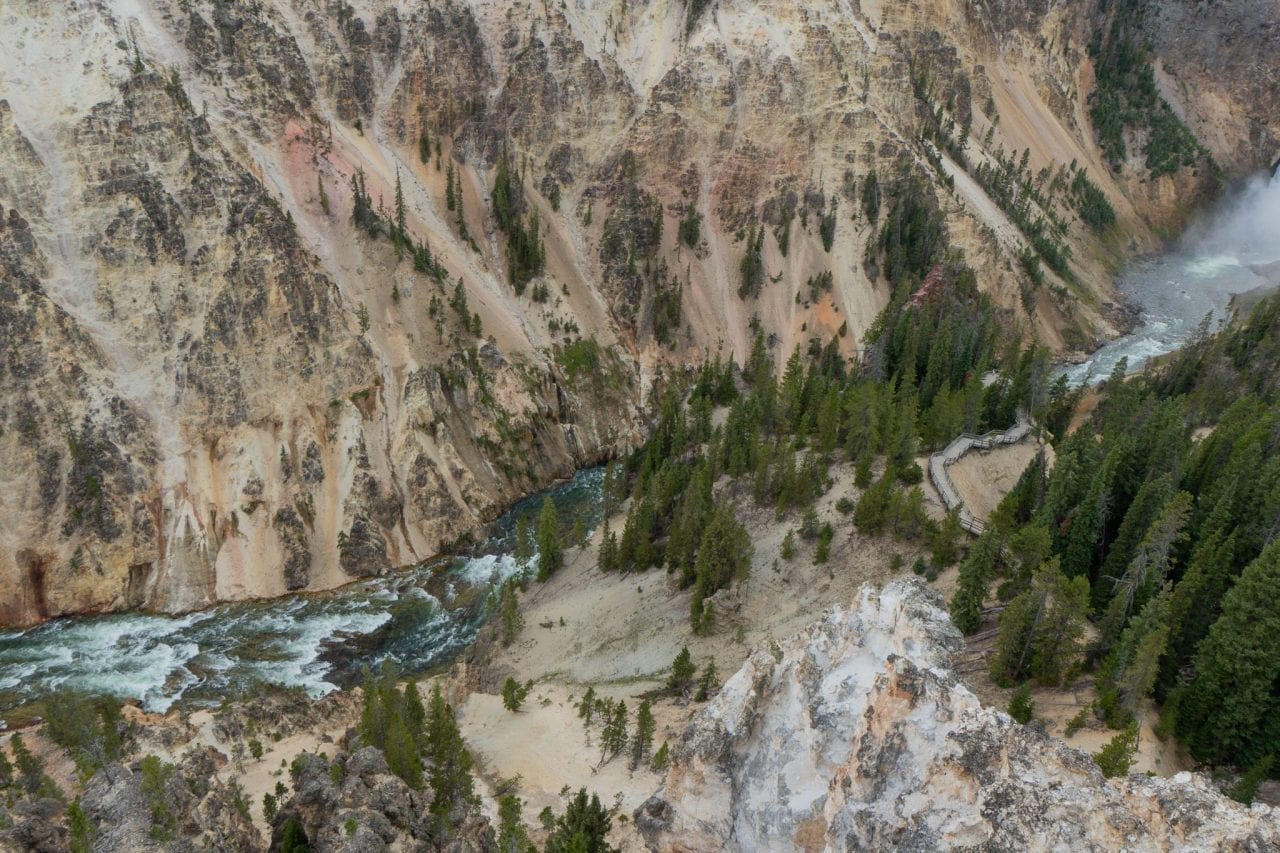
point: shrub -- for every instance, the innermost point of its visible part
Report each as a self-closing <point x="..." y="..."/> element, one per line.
<point x="1244" y="790"/>
<point x="911" y="474"/>
<point x="1078" y="722"/>
<point x="514" y="694"/>
<point x="1021" y="707"/>
<point x="1116" y="757"/>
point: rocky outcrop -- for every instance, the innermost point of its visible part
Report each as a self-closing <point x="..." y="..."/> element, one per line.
<point x="130" y="811"/>
<point x="363" y="806"/>
<point x="857" y="735"/>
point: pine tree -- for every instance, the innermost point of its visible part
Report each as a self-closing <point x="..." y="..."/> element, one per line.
<point x="682" y="671"/>
<point x="611" y="489"/>
<point x="509" y="613"/>
<point x="642" y="739"/>
<point x="398" y="238"/>
<point x="374" y="715"/>
<point x="524" y="545"/>
<point x="293" y="838"/>
<point x="550" y="548"/>
<point x="1116" y="757"/>
<point x="608" y="558"/>
<point x="1230" y="711"/>
<point x="1041" y="628"/>
<point x="415" y="714"/>
<point x="823" y="549"/>
<point x="424" y="147"/>
<point x="1197" y="597"/>
<point x="504" y="194"/>
<point x="944" y="543"/>
<point x="973" y="581"/>
<point x="402" y="752"/>
<point x="724" y="555"/>
<point x="513" y="694"/>
<point x="613" y="738"/>
<point x="661" y="758"/>
<point x="6" y="771"/>
<point x="1134" y="664"/>
<point x="1081" y="551"/>
<point x="870" y="515"/>
<point x="80" y="829"/>
<point x="635" y="550"/>
<point x="708" y="683"/>
<point x="583" y="828"/>
<point x="751" y="266"/>
<point x="451" y="783"/>
<point x="1143" y="509"/>
<point x="450" y="194"/>
<point x="1021" y="707"/>
<point x="587" y="707"/>
<point x="871" y="197"/>
<point x="513" y="837"/>
<point x="1147" y="571"/>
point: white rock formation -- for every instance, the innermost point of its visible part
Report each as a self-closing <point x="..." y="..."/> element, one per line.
<point x="857" y="735"/>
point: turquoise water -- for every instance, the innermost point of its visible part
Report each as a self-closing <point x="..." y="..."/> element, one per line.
<point x="418" y="617"/>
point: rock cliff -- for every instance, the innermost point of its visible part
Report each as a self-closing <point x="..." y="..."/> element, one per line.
<point x="1213" y="71"/>
<point x="856" y="734"/>
<point x="216" y="385"/>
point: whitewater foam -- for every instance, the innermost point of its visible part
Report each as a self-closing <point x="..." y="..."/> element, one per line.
<point x="1222" y="254"/>
<point x="318" y="643"/>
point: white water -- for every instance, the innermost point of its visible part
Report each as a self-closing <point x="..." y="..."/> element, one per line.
<point x="1232" y="250"/>
<point x="419" y="617"/>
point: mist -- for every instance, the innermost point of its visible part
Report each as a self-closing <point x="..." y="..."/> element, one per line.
<point x="1231" y="249"/>
<point x="1245" y="227"/>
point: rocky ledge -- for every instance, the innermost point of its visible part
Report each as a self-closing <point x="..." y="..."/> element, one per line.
<point x="857" y="734"/>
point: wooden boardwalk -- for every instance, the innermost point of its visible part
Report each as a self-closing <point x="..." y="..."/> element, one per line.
<point x="939" y="463"/>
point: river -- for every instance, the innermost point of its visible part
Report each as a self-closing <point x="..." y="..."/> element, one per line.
<point x="319" y="642"/>
<point x="423" y="616"/>
<point x="1232" y="249"/>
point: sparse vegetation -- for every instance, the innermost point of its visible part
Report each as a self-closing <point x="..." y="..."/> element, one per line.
<point x="1021" y="707"/>
<point x="1126" y="100"/>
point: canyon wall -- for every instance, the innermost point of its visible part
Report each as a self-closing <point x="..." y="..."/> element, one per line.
<point x="215" y="385"/>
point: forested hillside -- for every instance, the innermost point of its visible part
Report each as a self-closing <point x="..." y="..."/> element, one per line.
<point x="1143" y="555"/>
<point x="919" y="382"/>
<point x="1154" y="536"/>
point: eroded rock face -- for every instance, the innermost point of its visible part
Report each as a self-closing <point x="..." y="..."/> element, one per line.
<point x="214" y="386"/>
<point x="1209" y="71"/>
<point x="388" y="813"/>
<point x="196" y="807"/>
<point x="857" y="735"/>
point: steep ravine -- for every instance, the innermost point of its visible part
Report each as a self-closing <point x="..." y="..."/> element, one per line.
<point x="215" y="387"/>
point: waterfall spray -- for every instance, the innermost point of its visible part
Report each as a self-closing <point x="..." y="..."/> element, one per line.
<point x="1230" y="250"/>
<point x="1246" y="226"/>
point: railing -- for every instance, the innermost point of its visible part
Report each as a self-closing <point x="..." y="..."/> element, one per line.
<point x="939" y="463"/>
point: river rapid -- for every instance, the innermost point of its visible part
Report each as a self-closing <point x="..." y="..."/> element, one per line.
<point x="1232" y="249"/>
<point x="319" y="642"/>
<point x="423" y="616"/>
